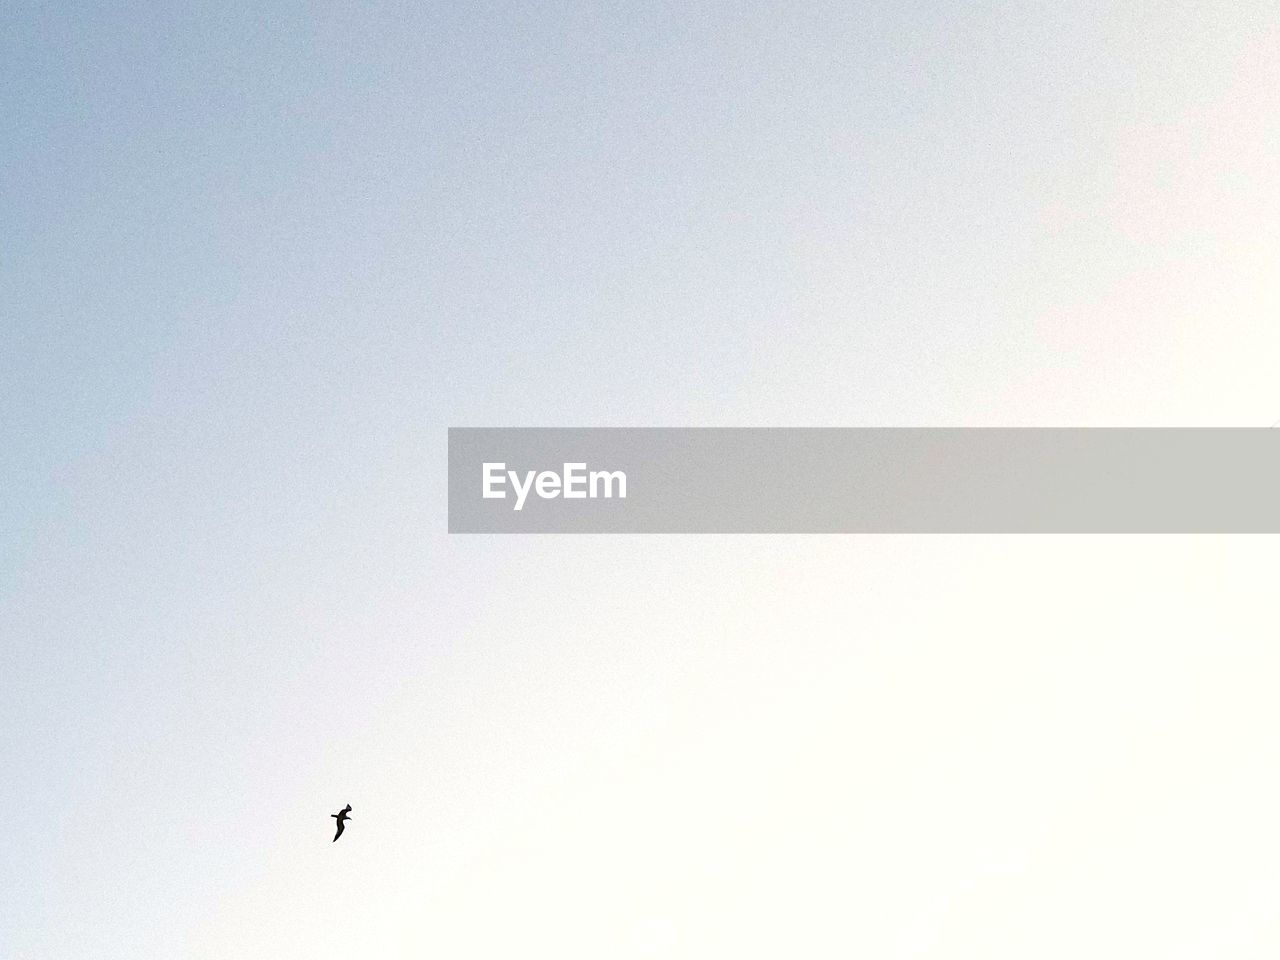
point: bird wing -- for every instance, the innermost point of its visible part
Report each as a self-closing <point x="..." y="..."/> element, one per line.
<point x="347" y="808"/>
<point x="339" y="833"/>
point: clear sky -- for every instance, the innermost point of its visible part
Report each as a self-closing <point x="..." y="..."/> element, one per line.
<point x="255" y="258"/>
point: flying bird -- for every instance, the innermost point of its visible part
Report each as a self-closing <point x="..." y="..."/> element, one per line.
<point x="342" y="816"/>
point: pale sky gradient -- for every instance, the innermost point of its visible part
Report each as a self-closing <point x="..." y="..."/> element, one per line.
<point x="255" y="259"/>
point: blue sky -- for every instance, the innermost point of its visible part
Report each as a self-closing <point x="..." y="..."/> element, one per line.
<point x="254" y="260"/>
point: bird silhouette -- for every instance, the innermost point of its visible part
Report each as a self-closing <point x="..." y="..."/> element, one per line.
<point x="342" y="816"/>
